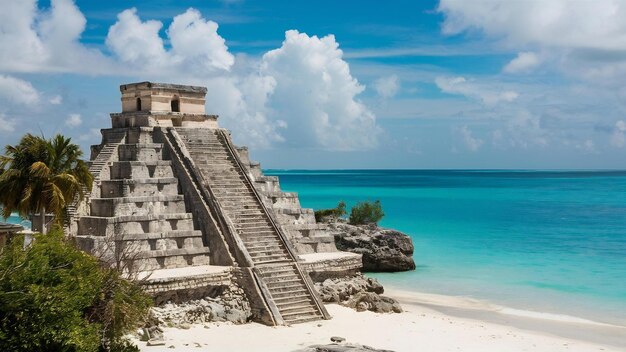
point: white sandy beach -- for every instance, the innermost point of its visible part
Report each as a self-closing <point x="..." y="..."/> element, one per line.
<point x="429" y="323"/>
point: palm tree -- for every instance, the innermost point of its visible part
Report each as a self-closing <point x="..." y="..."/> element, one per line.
<point x="41" y="176"/>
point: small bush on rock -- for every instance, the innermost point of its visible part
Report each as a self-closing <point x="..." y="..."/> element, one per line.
<point x="366" y="213"/>
<point x="337" y="212"/>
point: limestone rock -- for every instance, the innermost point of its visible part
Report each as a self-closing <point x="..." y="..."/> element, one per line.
<point x="344" y="347"/>
<point x="383" y="250"/>
<point x="373" y="302"/>
<point x="232" y="306"/>
<point x="357" y="292"/>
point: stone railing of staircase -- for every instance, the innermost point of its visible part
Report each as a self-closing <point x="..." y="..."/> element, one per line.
<point x="274" y="223"/>
<point x="227" y="248"/>
<point x="95" y="168"/>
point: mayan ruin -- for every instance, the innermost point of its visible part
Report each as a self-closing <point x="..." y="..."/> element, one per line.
<point x="175" y="200"/>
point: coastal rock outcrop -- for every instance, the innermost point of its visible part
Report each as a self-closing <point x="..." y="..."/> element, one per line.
<point x="232" y="306"/>
<point x="357" y="292"/>
<point x="341" y="347"/>
<point x="383" y="250"/>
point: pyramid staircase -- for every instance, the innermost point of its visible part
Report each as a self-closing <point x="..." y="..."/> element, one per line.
<point x="138" y="218"/>
<point x="264" y="242"/>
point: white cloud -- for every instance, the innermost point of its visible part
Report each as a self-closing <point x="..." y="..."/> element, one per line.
<point x="17" y="91"/>
<point x="558" y="23"/>
<point x="387" y="87"/>
<point x="6" y="125"/>
<point x="316" y="96"/>
<point x="137" y="42"/>
<point x="33" y="40"/>
<point x="585" y="39"/>
<point x="302" y="93"/>
<point x="471" y="143"/>
<point x="488" y="95"/>
<point x="618" y="136"/>
<point x="196" y="47"/>
<point x="524" y="62"/>
<point x="73" y="120"/>
<point x="56" y="100"/>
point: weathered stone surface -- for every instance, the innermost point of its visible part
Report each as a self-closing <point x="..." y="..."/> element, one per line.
<point x="343" y="347"/>
<point x="363" y="301"/>
<point x="383" y="250"/>
<point x="232" y="306"/>
<point x="357" y="292"/>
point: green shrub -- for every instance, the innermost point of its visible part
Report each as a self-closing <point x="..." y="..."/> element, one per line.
<point x="366" y="213"/>
<point x="336" y="212"/>
<point x="54" y="297"/>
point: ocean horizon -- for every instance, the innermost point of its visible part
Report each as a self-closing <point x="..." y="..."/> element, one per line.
<point x="547" y="241"/>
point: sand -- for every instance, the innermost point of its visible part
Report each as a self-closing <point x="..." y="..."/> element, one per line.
<point x="429" y="323"/>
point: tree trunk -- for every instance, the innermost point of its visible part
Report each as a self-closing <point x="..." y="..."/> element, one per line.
<point x="42" y="217"/>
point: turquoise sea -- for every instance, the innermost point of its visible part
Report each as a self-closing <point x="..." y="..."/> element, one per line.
<point x="545" y="241"/>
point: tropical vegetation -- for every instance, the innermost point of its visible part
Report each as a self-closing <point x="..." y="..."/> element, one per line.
<point x="55" y="297"/>
<point x="39" y="176"/>
<point x="366" y="213"/>
<point x="337" y="212"/>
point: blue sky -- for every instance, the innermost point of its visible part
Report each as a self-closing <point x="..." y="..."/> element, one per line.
<point x="337" y="84"/>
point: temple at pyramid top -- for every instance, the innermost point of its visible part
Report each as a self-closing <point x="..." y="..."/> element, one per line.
<point x="149" y="96"/>
<point x="163" y="104"/>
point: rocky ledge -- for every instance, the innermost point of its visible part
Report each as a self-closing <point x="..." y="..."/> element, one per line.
<point x="383" y="250"/>
<point x="231" y="306"/>
<point x="357" y="292"/>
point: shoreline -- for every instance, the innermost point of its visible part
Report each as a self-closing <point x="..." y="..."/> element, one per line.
<point x="429" y="322"/>
<point x="559" y="325"/>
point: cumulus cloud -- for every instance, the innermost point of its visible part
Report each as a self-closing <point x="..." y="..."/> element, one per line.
<point x="618" y="136"/>
<point x="524" y="62"/>
<point x="33" y="40"/>
<point x="487" y="95"/>
<point x="74" y="120"/>
<point x="196" y="47"/>
<point x="6" y="124"/>
<point x="17" y="91"/>
<point x="471" y="143"/>
<point x="387" y="87"/>
<point x="316" y="96"/>
<point x="563" y="23"/>
<point x="584" y="38"/>
<point x="302" y="93"/>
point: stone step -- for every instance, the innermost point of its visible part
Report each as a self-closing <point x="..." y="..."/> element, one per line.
<point x="268" y="258"/>
<point x="280" y="287"/>
<point x="287" y="299"/>
<point x="254" y="245"/>
<point x="160" y="235"/>
<point x="138" y="187"/>
<point x="161" y="244"/>
<point x="102" y="226"/>
<point x="293" y="307"/>
<point x="173" y="261"/>
<point x="259" y="252"/>
<point x="141" y="169"/>
<point x="172" y="252"/>
<point x="300" y="311"/>
<point x="144" y="152"/>
<point x="265" y="234"/>
<point x="147" y="205"/>
<point x="250" y="228"/>
<point x="291" y="293"/>
<point x="281" y="276"/>
<point x="304" y="319"/>
<point x="285" y="283"/>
